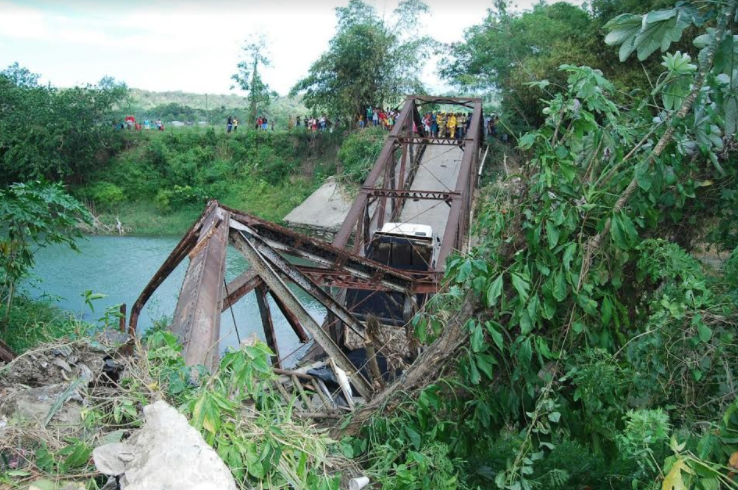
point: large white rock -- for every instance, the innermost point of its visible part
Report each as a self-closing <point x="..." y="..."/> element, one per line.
<point x="166" y="454"/>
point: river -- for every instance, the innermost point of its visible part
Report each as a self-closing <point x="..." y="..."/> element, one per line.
<point x="120" y="267"/>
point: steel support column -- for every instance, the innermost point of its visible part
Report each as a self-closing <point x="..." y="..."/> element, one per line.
<point x="197" y="316"/>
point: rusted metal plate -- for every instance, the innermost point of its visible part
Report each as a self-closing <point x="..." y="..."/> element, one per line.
<point x="197" y="315"/>
<point x="278" y="288"/>
<point x="185" y="245"/>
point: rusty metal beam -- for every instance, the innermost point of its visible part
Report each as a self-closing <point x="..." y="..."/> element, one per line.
<point x="320" y="252"/>
<point x="266" y="321"/>
<point x="425" y="283"/>
<point x="418" y="140"/>
<point x="240" y="287"/>
<point x="280" y="289"/>
<point x="456" y="226"/>
<point x="180" y="251"/>
<point x="197" y="315"/>
<point x="292" y="320"/>
<point x="303" y="282"/>
<point x="416" y="195"/>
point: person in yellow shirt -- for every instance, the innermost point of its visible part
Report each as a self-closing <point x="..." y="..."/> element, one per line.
<point x="441" y="120"/>
<point x="452" y="125"/>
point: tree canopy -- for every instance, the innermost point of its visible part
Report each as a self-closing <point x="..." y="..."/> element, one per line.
<point x="509" y="51"/>
<point x="370" y="62"/>
<point x="52" y="133"/>
<point x="249" y="78"/>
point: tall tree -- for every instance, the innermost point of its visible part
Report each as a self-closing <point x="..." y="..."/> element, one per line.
<point x="249" y="79"/>
<point x="511" y="50"/>
<point x="50" y="133"/>
<point x="371" y="61"/>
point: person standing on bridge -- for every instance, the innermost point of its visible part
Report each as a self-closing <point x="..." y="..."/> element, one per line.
<point x="434" y="126"/>
<point x="451" y="124"/>
<point x="460" y="122"/>
<point x="441" y="121"/>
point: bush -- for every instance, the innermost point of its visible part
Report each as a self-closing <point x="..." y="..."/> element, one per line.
<point x="105" y="195"/>
<point x="359" y="152"/>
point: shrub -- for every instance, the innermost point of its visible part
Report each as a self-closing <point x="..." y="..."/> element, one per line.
<point x="359" y="152"/>
<point x="105" y="195"/>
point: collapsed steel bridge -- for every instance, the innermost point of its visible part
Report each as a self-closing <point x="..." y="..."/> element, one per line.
<point x="416" y="178"/>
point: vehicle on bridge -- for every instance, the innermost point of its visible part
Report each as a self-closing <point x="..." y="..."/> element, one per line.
<point x="403" y="246"/>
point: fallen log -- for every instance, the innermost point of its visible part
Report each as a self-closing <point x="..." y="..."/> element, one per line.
<point x="6" y="353"/>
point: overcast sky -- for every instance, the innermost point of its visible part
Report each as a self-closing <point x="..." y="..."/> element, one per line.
<point x="190" y="46"/>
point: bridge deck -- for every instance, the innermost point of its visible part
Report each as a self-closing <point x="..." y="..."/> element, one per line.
<point x="438" y="171"/>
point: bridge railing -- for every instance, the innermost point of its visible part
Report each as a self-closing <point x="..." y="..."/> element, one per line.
<point x="389" y="183"/>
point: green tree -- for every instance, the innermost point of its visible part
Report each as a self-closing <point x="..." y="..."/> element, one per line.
<point x="33" y="215"/>
<point x="51" y="133"/>
<point x="249" y="79"/>
<point x="371" y="61"/>
<point x="509" y="51"/>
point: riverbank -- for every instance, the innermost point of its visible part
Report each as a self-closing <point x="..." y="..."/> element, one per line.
<point x="160" y="183"/>
<point x="271" y="202"/>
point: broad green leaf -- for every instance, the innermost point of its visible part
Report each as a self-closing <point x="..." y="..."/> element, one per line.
<point x="704" y="332"/>
<point x="560" y="286"/>
<point x="485" y="362"/>
<point x="495" y="334"/>
<point x="494" y="291"/>
<point x="526" y="141"/>
<point x="526" y="325"/>
<point x="477" y="338"/>
<point x="643" y="175"/>
<point x="607" y="310"/>
<point x="623" y="31"/>
<point x="414" y="436"/>
<point x="569" y="255"/>
<point x="521" y="286"/>
<point x="660" y="28"/>
<point x="553" y="234"/>
<point x="525" y="352"/>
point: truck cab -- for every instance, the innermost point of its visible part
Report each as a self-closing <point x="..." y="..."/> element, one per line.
<point x="404" y="246"/>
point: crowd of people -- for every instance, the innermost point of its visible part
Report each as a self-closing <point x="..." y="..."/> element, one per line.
<point x="312" y="124"/>
<point x="376" y="116"/>
<point x="437" y="124"/>
<point x="130" y="123"/>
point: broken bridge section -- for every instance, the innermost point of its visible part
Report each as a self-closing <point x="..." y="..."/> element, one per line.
<point x="415" y="175"/>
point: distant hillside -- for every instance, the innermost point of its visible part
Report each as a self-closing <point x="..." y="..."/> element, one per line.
<point x="146" y="99"/>
<point x="184" y="106"/>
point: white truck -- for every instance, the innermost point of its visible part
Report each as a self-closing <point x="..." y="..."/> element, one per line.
<point x="404" y="246"/>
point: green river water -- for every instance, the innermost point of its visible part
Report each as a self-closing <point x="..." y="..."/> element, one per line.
<point x="120" y="267"/>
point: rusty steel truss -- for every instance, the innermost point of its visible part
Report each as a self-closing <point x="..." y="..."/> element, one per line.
<point x="332" y="269"/>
